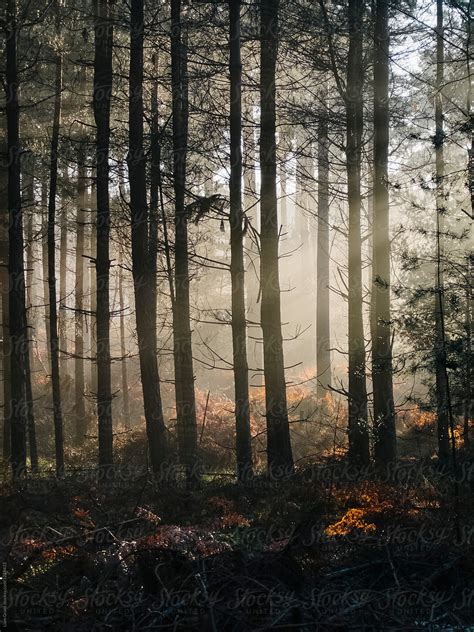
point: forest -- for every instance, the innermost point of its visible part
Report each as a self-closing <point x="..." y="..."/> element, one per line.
<point x="236" y="274"/>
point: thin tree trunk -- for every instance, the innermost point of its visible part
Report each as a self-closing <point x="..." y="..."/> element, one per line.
<point x="358" y="428"/>
<point x="468" y="399"/>
<point x="17" y="317"/>
<point x="279" y="453"/>
<point x="53" y="307"/>
<point x="323" y="343"/>
<point x="237" y="270"/>
<point x="28" y="185"/>
<point x="442" y="386"/>
<point x="184" y="374"/>
<point x="144" y="271"/>
<point x="44" y="266"/>
<point x="103" y="29"/>
<point x="4" y="284"/>
<point x="253" y="258"/>
<point x="79" y="380"/>
<point x="468" y="371"/>
<point x="93" y="286"/>
<point x="123" y="350"/>
<point x="385" y="443"/>
<point x="154" y="191"/>
<point x="62" y="317"/>
<point x="30" y="204"/>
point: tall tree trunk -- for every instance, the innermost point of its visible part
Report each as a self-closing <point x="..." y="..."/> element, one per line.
<point x="123" y="350"/>
<point x="144" y="272"/>
<point x="53" y="307"/>
<point x="93" y="286"/>
<point x="442" y="386"/>
<point x="358" y="428"/>
<point x="154" y="190"/>
<point x="4" y="284"/>
<point x="237" y="271"/>
<point x="63" y="317"/>
<point x="323" y="345"/>
<point x="468" y="371"/>
<point x="28" y="186"/>
<point x="184" y="374"/>
<point x="279" y="454"/>
<point x="44" y="267"/>
<point x="30" y="204"/>
<point x="251" y="206"/>
<point x="103" y="30"/>
<point x="468" y="399"/>
<point x="17" y="316"/>
<point x="385" y="443"/>
<point x="79" y="380"/>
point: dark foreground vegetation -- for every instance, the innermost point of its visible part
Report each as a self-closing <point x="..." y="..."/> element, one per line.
<point x="334" y="547"/>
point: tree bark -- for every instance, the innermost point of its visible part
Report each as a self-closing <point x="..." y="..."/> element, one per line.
<point x="237" y="271"/>
<point x="103" y="30"/>
<point x="279" y="453"/>
<point x="63" y="316"/>
<point x="17" y="317"/>
<point x="53" y="307"/>
<point x="251" y="204"/>
<point x="123" y="350"/>
<point x="4" y="284"/>
<point x="28" y="177"/>
<point x="442" y="386"/>
<point x="323" y="343"/>
<point x="93" y="287"/>
<point x="155" y="178"/>
<point x="184" y="374"/>
<point x="144" y="270"/>
<point x="79" y="380"/>
<point x="385" y="440"/>
<point x="44" y="266"/>
<point x="358" y="428"/>
<point x="468" y="371"/>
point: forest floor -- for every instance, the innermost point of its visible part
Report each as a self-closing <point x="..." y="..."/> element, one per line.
<point x="330" y="549"/>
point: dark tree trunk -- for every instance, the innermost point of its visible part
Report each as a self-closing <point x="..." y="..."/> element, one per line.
<point x="239" y="327"/>
<point x="442" y="385"/>
<point x="279" y="454"/>
<point x="144" y="271"/>
<point x="4" y="284"/>
<point x="30" y="205"/>
<point x="44" y="267"/>
<point x="154" y="191"/>
<point x="17" y="312"/>
<point x="323" y="344"/>
<point x="385" y="441"/>
<point x="468" y="371"/>
<point x="63" y="317"/>
<point x="79" y="381"/>
<point x="53" y="307"/>
<point x="103" y="29"/>
<point x="123" y="351"/>
<point x="184" y="374"/>
<point x="253" y="258"/>
<point x="93" y="287"/>
<point x="28" y="186"/>
<point x="358" y="428"/>
<point x="17" y="307"/>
